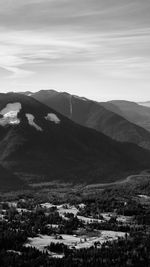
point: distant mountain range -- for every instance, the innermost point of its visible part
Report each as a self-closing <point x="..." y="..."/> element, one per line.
<point x="116" y="121"/>
<point x="37" y="141"/>
<point x="146" y="104"/>
<point x="135" y="113"/>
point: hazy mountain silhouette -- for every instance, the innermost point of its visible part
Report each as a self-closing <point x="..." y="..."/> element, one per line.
<point x="145" y="104"/>
<point x="138" y="114"/>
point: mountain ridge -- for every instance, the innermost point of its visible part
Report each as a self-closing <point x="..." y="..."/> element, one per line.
<point x="104" y="117"/>
<point x="135" y="113"/>
<point x="62" y="151"/>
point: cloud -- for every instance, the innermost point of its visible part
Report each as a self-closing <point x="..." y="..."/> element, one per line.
<point x="19" y="50"/>
<point x="109" y="38"/>
<point x="87" y="15"/>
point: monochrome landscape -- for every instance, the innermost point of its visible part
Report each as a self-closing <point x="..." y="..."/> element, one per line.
<point x="74" y="133"/>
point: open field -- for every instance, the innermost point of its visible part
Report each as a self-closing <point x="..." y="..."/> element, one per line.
<point x="78" y="242"/>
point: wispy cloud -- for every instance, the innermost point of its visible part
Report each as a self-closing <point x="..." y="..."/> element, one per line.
<point x="24" y="48"/>
<point x="20" y="49"/>
<point x="107" y="38"/>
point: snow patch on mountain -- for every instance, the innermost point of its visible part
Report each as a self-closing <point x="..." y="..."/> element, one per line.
<point x="9" y="115"/>
<point x="31" y="119"/>
<point x="52" y="117"/>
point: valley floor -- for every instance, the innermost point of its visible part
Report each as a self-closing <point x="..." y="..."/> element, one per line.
<point x="77" y="226"/>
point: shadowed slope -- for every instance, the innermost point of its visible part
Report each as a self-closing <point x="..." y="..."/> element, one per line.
<point x="64" y="150"/>
<point x="106" y="118"/>
<point x="9" y="181"/>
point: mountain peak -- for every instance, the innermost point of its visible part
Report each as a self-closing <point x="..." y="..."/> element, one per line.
<point x="47" y="144"/>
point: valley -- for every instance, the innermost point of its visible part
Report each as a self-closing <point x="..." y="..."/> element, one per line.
<point x="40" y="226"/>
<point x="74" y="133"/>
<point x="71" y="195"/>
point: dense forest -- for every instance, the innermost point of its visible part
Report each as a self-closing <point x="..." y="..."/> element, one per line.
<point x="133" y="251"/>
<point x="29" y="219"/>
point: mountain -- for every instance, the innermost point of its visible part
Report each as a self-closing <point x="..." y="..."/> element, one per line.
<point x="106" y="118"/>
<point x="61" y="102"/>
<point x="38" y="142"/>
<point x="145" y="104"/>
<point x="135" y="113"/>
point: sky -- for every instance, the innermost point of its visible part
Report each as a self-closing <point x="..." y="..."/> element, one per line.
<point x="99" y="49"/>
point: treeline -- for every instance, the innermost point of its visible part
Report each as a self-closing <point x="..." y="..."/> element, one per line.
<point x="126" y="207"/>
<point x="133" y="251"/>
